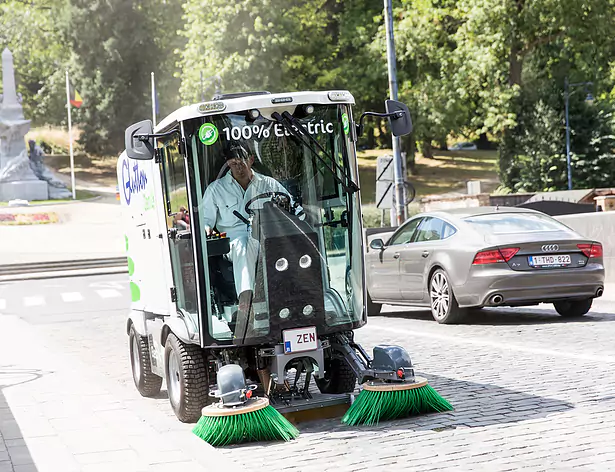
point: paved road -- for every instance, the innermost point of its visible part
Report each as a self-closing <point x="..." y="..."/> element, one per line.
<point x="531" y="391"/>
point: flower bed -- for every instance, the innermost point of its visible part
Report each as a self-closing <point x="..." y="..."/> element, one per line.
<point x="28" y="218"/>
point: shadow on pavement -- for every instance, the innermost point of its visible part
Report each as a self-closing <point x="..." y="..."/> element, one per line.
<point x="476" y="405"/>
<point x="13" y="450"/>
<point x="506" y="316"/>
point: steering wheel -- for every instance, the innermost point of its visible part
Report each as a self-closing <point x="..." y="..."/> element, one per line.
<point x="261" y="196"/>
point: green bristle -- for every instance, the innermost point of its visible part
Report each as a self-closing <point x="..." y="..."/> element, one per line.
<point x="370" y="407"/>
<point x="266" y="424"/>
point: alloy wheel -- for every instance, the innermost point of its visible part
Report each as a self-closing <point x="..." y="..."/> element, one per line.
<point x="174" y="386"/>
<point x="440" y="295"/>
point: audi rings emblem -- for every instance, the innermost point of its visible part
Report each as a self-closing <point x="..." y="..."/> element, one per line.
<point x="550" y="248"/>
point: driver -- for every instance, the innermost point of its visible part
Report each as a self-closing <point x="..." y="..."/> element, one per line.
<point x="226" y="197"/>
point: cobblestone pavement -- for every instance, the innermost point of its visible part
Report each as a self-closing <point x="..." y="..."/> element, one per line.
<point x="531" y="391"/>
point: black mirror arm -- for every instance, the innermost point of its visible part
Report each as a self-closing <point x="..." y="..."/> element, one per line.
<point x="394" y="116"/>
<point x="146" y="137"/>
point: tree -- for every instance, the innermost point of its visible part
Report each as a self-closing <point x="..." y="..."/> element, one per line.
<point x="116" y="45"/>
<point x="30" y="30"/>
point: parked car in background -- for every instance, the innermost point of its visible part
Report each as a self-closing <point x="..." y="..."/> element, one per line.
<point x="483" y="257"/>
<point x="463" y="147"/>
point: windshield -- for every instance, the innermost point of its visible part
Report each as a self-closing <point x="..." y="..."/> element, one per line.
<point x="284" y="247"/>
<point x="510" y="223"/>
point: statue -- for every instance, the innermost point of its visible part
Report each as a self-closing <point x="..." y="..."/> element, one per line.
<point x="17" y="180"/>
<point x="57" y="189"/>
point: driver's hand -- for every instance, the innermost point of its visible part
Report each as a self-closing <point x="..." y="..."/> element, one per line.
<point x="208" y="230"/>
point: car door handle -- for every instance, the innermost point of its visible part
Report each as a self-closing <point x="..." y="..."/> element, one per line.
<point x="425" y="253"/>
<point x="396" y="255"/>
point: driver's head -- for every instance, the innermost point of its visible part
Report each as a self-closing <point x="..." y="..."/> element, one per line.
<point x="240" y="161"/>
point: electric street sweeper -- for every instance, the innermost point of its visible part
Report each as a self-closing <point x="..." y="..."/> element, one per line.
<point x="245" y="254"/>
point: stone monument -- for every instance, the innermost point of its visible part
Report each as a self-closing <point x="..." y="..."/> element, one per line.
<point x="17" y="180"/>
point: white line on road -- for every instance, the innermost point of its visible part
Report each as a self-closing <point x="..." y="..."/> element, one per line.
<point x="36" y="300"/>
<point x="461" y="339"/>
<point x="72" y="297"/>
<point x="108" y="293"/>
<point x="2" y="304"/>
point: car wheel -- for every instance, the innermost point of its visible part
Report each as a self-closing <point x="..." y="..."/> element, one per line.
<point x="444" y="306"/>
<point x="373" y="309"/>
<point x="573" y="308"/>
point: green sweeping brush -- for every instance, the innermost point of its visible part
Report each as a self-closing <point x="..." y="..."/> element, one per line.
<point x="380" y="401"/>
<point x="256" y="420"/>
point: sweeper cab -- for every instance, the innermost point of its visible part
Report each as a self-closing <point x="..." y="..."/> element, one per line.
<point x="264" y="273"/>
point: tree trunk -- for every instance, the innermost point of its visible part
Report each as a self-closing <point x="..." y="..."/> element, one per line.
<point x="426" y="149"/>
<point x="443" y="144"/>
<point x="371" y="139"/>
<point x="409" y="147"/>
<point x="483" y="142"/>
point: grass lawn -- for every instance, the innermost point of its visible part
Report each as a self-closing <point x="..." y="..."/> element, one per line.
<point x="448" y="171"/>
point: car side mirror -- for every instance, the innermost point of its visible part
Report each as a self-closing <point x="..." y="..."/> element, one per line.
<point x="377" y="244"/>
<point x="139" y="140"/>
<point x="399" y="117"/>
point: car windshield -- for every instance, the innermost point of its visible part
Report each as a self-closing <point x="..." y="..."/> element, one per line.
<point x="510" y="223"/>
<point x="294" y="231"/>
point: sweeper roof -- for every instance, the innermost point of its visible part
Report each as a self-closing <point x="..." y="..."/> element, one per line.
<point x="246" y="102"/>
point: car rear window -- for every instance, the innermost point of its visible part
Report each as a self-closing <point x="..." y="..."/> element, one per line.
<point x="508" y="223"/>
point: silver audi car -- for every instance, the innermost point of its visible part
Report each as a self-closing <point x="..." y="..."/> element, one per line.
<point x="488" y="256"/>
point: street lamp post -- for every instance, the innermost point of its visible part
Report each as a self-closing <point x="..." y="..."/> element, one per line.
<point x="567" y="87"/>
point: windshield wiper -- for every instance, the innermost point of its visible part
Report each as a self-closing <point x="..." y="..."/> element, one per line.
<point x="294" y="126"/>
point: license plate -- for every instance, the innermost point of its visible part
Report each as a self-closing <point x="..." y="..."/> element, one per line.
<point x="552" y="260"/>
<point x="300" y="339"/>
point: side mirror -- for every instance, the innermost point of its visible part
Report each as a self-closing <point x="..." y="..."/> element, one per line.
<point x="377" y="244"/>
<point x="399" y="117"/>
<point x="140" y="148"/>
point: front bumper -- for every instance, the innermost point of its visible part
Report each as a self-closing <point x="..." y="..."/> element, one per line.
<point x="528" y="287"/>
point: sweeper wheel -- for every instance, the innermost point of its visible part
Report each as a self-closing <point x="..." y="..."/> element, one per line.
<point x="217" y="410"/>
<point x="187" y="379"/>
<point x="338" y="378"/>
<point x="148" y="384"/>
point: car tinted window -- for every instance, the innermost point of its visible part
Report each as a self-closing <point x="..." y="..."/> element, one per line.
<point x="507" y="223"/>
<point x="404" y="236"/>
<point x="431" y="229"/>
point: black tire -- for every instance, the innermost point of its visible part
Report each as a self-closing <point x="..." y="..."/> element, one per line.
<point x="446" y="310"/>
<point x="339" y="377"/>
<point x="573" y="308"/>
<point x="148" y="384"/>
<point x="373" y="309"/>
<point x="189" y="387"/>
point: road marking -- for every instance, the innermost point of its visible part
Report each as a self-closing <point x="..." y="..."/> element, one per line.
<point x="2" y="304"/>
<point x="37" y="300"/>
<point x="108" y="293"/>
<point x="72" y="297"/>
<point x="499" y="345"/>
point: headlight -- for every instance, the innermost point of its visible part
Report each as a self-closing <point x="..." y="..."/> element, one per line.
<point x="281" y="264"/>
<point x="284" y="313"/>
<point x="308" y="310"/>
<point x="305" y="261"/>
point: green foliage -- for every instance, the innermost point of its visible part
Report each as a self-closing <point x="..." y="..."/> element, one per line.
<point x="31" y="32"/>
<point x="116" y="45"/>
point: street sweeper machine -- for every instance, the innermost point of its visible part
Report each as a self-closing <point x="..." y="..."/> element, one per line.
<point x="245" y="254"/>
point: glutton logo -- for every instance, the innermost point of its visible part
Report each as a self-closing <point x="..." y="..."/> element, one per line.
<point x="132" y="182"/>
<point x="208" y="134"/>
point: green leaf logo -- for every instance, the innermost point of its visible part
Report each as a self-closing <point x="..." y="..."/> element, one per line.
<point x="208" y="134"/>
<point x="345" y="123"/>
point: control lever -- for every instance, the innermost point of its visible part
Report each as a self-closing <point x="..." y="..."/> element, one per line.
<point x="241" y="217"/>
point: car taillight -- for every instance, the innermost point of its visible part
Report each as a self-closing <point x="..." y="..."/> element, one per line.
<point x="591" y="250"/>
<point x="495" y="255"/>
